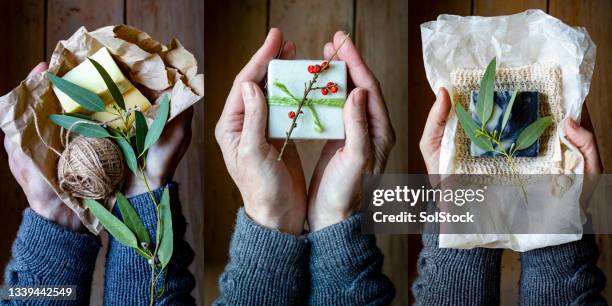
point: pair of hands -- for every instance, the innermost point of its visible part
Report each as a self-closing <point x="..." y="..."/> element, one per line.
<point x="274" y="192"/>
<point x="162" y="160"/>
<point x="431" y="139"/>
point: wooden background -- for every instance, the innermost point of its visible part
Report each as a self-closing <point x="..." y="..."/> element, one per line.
<point x="592" y="14"/>
<point x="31" y="30"/>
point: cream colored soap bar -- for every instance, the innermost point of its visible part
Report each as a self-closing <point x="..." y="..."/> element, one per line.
<point x="86" y="76"/>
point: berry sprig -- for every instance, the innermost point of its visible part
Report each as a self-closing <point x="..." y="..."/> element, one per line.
<point x="316" y="70"/>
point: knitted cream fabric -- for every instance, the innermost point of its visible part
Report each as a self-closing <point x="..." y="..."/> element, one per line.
<point x="545" y="79"/>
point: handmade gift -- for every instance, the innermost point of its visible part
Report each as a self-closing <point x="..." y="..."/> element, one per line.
<point x="321" y="116"/>
<point x="534" y="71"/>
<point x="145" y="73"/>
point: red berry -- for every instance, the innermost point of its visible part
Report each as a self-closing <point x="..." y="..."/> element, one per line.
<point x="291" y="115"/>
<point x="317" y="68"/>
<point x="324" y="91"/>
<point x="330" y="84"/>
<point x="334" y="89"/>
<point x="325" y="65"/>
<point x="310" y="69"/>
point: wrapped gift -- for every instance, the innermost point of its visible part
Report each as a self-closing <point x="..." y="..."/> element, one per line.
<point x="321" y="115"/>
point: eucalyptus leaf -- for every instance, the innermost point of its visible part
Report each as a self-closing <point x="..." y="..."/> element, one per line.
<point x="77" y="115"/>
<point x="85" y="98"/>
<point x="166" y="245"/>
<point x="128" y="152"/>
<point x="110" y="84"/>
<point x="470" y="128"/>
<point x="507" y="112"/>
<point x="484" y="102"/>
<point x="80" y="126"/>
<point x="112" y="224"/>
<point x="158" y="124"/>
<point x="141" y="131"/>
<point x="532" y="132"/>
<point x="131" y="219"/>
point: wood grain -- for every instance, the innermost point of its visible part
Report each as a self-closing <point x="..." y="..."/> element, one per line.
<point x="595" y="16"/>
<point x="497" y="8"/>
<point x="183" y="20"/>
<point x="386" y="55"/>
<point x="23" y="34"/>
<point x="64" y="17"/>
<point x="234" y="31"/>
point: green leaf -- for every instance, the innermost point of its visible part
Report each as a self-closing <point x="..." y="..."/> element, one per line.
<point x="141" y="131"/>
<point x="532" y="132"/>
<point x="131" y="219"/>
<point x="166" y="245"/>
<point x="77" y="115"/>
<point x="158" y="124"/>
<point x="113" y="225"/>
<point x="128" y="153"/>
<point x="85" y="98"/>
<point x="110" y="84"/>
<point x="507" y="112"/>
<point x="484" y="102"/>
<point x="470" y="128"/>
<point x="80" y="126"/>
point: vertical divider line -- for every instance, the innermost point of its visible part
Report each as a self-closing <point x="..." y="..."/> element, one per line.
<point x="547" y="6"/>
<point x="45" y="14"/>
<point x="354" y="25"/>
<point x="125" y="14"/>
<point x="472" y="7"/>
<point x="268" y="9"/>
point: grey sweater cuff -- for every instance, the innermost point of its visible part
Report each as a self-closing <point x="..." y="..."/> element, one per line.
<point x="342" y="247"/>
<point x="253" y="245"/>
<point x="41" y="242"/>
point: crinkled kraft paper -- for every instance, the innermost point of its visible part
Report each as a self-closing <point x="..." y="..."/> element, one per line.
<point x="152" y="67"/>
<point x="526" y="38"/>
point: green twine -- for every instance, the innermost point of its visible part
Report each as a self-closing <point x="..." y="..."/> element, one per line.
<point x="309" y="104"/>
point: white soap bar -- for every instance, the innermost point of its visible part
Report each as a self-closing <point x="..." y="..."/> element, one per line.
<point x="293" y="74"/>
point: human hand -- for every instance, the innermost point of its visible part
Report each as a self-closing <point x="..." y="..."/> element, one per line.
<point x="164" y="156"/>
<point x="335" y="188"/>
<point x="41" y="197"/>
<point x="584" y="140"/>
<point x="274" y="192"/>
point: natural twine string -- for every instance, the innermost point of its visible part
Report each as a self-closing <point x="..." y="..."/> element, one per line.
<point x="89" y="167"/>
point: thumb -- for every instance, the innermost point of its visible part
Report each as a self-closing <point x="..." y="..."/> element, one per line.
<point x="585" y="142"/>
<point x="436" y="121"/>
<point x="356" y="123"/>
<point x="41" y="67"/>
<point x="255" y="115"/>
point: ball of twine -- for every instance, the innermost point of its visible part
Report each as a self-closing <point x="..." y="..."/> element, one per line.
<point x="90" y="168"/>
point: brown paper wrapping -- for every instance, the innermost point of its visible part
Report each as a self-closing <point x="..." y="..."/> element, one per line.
<point x="155" y="69"/>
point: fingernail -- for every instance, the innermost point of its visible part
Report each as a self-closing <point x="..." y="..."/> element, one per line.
<point x="247" y="90"/>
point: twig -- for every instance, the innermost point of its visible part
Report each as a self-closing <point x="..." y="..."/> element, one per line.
<point x="307" y="89"/>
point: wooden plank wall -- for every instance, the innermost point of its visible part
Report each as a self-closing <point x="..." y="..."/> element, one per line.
<point x="33" y="29"/>
<point x="379" y="29"/>
<point x="591" y="14"/>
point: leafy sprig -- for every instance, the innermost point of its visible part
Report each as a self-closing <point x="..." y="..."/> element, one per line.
<point x="130" y="231"/>
<point x="491" y="141"/>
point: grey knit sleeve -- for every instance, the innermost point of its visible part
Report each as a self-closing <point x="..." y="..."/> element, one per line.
<point x="565" y="274"/>
<point x="346" y="267"/>
<point x="456" y="277"/>
<point x="266" y="267"/>
<point x="45" y="253"/>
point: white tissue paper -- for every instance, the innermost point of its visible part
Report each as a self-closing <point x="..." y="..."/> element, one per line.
<point x="531" y="37"/>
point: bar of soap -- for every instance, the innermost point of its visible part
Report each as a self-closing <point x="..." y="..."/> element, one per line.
<point x="86" y="76"/>
<point x="524" y="112"/>
<point x="322" y="114"/>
